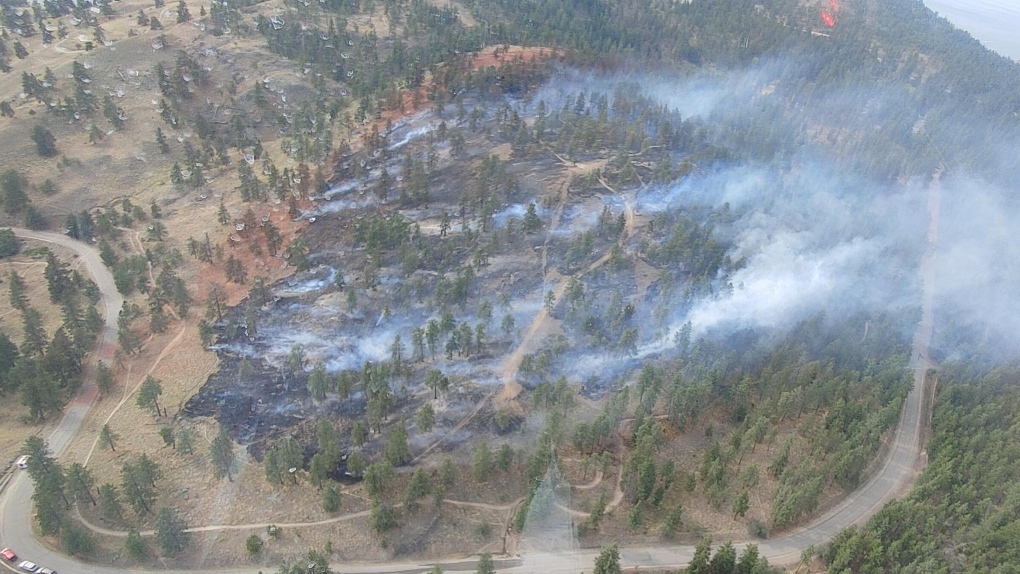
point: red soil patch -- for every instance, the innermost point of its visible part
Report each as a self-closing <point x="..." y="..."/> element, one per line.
<point x="489" y="56"/>
<point x="273" y="268"/>
<point x="496" y="55"/>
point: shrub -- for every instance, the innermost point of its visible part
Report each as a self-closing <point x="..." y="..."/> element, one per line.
<point x="331" y="499"/>
<point x="254" y="544"/>
<point x="757" y="528"/>
<point x="76" y="541"/>
<point x="134" y="545"/>
<point x="484" y="531"/>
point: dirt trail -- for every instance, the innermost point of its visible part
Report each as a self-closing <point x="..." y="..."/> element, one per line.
<point x="573" y="512"/>
<point x="508" y="373"/>
<point x="510" y="507"/>
<point x="478" y="407"/>
<point x="597" y="480"/>
<point x="617" y="492"/>
<point x="250" y="526"/>
<point x="127" y="394"/>
<point x="483" y="505"/>
<point x="895" y="476"/>
<point x="511" y="388"/>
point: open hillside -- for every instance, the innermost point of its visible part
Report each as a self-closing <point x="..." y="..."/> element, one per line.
<point x="411" y="280"/>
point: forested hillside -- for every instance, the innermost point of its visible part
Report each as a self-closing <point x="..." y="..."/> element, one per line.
<point x="480" y="276"/>
<point x="936" y="73"/>
<point x="962" y="515"/>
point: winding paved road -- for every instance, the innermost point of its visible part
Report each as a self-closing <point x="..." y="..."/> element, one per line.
<point x="904" y="459"/>
<point x="16" y="503"/>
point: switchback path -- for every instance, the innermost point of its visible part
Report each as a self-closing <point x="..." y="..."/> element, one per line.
<point x="904" y="459"/>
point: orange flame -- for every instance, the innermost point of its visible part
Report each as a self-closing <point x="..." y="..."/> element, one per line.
<point x="828" y="19"/>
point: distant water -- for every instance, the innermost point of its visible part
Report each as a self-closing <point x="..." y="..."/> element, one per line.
<point x="995" y="23"/>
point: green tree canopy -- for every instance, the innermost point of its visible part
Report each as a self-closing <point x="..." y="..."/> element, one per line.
<point x="148" y="395"/>
<point x="45" y="143"/>
<point x="8" y="243"/>
<point x="171" y="532"/>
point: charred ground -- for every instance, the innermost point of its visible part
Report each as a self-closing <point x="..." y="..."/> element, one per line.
<point x="527" y="254"/>
<point x="673" y="256"/>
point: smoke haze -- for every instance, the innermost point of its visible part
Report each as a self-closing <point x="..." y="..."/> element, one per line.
<point x="814" y="232"/>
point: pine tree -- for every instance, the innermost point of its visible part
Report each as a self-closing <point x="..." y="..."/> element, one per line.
<point x="50" y="512"/>
<point x="355" y="465"/>
<point x="127" y="339"/>
<point x="397" y="450"/>
<point x="171" y="529"/>
<point x="49" y="498"/>
<point x="80" y="482"/>
<point x="437" y="381"/>
<point x="699" y="564"/>
<point x="481" y="462"/>
<point x="41" y="463"/>
<point x="8" y="243"/>
<point x="148" y="469"/>
<point x="273" y="468"/>
<point x="636" y="517"/>
<point x="104" y="378"/>
<point x="426" y="418"/>
<point x="674" y="520"/>
<point x="38" y="390"/>
<point x="359" y="434"/>
<point x="318" y="382"/>
<point x="16" y="286"/>
<point x="318" y="469"/>
<point x="12" y="186"/>
<point x="164" y="147"/>
<point x="107" y="438"/>
<point x="331" y="497"/>
<point x="134" y="545"/>
<point x="725" y="559"/>
<point x="167" y="434"/>
<point x="608" y="561"/>
<point x="741" y="505"/>
<point x="112" y="113"/>
<point x="95" y="134"/>
<point x="58" y="278"/>
<point x="377" y="477"/>
<point x="45" y="143"/>
<point x="148" y="395"/>
<point x="137" y="489"/>
<point x="176" y="175"/>
<point x="532" y="222"/>
<point x="416" y="489"/>
<point x="485" y="565"/>
<point x="109" y="502"/>
<point x="182" y="12"/>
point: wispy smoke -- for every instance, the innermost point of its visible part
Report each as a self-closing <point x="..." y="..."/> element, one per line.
<point x="814" y="230"/>
<point x="816" y="235"/>
<point x="976" y="274"/>
<point x="811" y="240"/>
